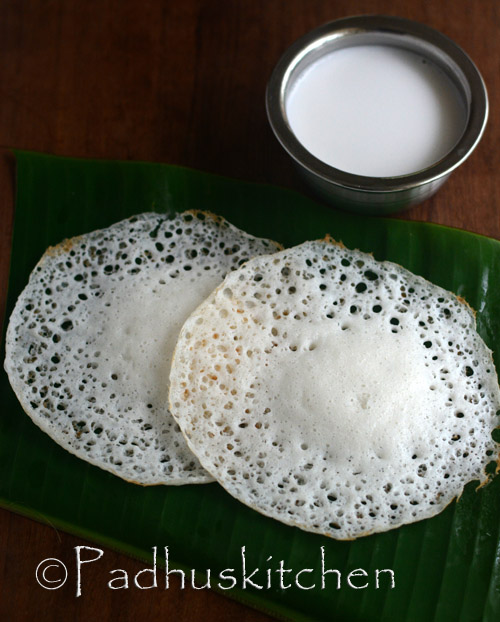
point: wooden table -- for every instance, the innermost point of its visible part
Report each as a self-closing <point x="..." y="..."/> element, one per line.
<point x="183" y="82"/>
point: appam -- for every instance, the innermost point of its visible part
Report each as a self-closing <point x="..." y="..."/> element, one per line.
<point x="90" y="339"/>
<point x="336" y="393"/>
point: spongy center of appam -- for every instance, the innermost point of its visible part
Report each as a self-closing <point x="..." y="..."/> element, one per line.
<point x="354" y="390"/>
<point x="139" y="327"/>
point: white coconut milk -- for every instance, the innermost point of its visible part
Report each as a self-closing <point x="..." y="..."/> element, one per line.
<point x="376" y="110"/>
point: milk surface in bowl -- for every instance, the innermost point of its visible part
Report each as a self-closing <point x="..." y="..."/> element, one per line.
<point x="376" y="110"/>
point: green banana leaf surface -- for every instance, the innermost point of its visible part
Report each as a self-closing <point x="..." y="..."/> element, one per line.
<point x="445" y="568"/>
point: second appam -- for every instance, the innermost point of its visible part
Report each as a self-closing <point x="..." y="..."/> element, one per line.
<point x="336" y="393"/>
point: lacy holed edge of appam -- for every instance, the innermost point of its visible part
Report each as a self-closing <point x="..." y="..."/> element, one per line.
<point x="90" y="340"/>
<point x="336" y="393"/>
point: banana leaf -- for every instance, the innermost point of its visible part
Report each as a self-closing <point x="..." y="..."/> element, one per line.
<point x="444" y="568"/>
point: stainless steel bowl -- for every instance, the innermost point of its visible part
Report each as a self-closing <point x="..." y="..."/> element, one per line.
<point x="377" y="195"/>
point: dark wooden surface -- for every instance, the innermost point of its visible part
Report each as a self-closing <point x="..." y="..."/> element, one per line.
<point x="183" y="83"/>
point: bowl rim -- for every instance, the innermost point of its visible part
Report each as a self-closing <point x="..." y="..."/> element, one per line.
<point x="353" y="26"/>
